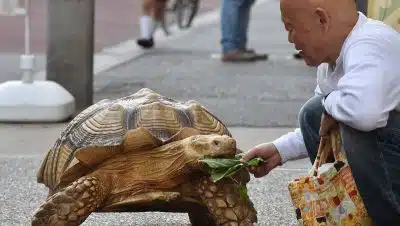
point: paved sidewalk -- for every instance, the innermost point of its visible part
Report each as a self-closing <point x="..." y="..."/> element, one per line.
<point x="253" y="99"/>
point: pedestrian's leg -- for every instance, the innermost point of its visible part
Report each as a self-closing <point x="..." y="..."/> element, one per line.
<point x="159" y="16"/>
<point x="374" y="159"/>
<point x="147" y="25"/>
<point x="310" y="121"/>
<point x="245" y="12"/>
<point x="230" y="31"/>
<point x="229" y="25"/>
<point x="159" y="10"/>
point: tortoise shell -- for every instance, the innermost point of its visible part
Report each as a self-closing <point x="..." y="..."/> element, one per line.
<point x="143" y="120"/>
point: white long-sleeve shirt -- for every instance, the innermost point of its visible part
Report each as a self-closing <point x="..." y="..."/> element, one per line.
<point x="363" y="86"/>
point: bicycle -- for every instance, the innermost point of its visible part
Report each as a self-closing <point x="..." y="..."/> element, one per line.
<point x="179" y="8"/>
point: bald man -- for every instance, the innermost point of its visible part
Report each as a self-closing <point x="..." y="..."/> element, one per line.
<point x="358" y="89"/>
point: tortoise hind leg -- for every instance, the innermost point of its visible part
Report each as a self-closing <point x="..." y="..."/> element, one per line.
<point x="73" y="204"/>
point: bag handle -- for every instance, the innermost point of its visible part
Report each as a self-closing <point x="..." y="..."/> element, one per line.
<point x="327" y="145"/>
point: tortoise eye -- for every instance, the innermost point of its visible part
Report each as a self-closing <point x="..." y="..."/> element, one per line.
<point x="215" y="142"/>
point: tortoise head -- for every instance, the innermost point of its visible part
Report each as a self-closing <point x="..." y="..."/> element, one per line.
<point x="211" y="145"/>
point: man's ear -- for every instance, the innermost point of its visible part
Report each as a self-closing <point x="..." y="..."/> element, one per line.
<point x="323" y="19"/>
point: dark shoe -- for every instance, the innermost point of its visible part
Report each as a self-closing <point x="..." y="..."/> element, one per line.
<point x="239" y="56"/>
<point x="145" y="43"/>
<point x="249" y="51"/>
<point x="297" y="56"/>
<point x="259" y="56"/>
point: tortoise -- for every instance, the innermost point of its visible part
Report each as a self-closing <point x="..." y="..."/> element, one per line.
<point x="141" y="153"/>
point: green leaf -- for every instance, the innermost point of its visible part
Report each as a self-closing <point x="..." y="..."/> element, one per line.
<point x="220" y="168"/>
<point x="243" y="192"/>
<point x="231" y="171"/>
<point x="218" y="174"/>
<point x="254" y="162"/>
<point x="240" y="155"/>
<point x="215" y="163"/>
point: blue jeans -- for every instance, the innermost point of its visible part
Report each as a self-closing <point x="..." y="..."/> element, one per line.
<point x="374" y="158"/>
<point x="235" y="16"/>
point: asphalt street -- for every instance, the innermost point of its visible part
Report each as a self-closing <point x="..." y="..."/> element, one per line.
<point x="250" y="98"/>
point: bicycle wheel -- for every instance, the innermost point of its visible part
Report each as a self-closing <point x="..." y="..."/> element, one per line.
<point x="186" y="11"/>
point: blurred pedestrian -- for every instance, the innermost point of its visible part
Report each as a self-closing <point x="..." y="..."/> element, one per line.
<point x="235" y="17"/>
<point x="152" y="17"/>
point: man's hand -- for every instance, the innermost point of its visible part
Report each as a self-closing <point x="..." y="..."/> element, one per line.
<point x="266" y="151"/>
<point x="327" y="124"/>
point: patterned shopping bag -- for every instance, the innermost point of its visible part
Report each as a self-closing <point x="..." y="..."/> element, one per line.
<point x="330" y="197"/>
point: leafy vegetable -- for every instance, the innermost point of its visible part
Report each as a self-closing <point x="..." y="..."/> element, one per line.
<point x="254" y="162"/>
<point x="220" y="168"/>
<point x="219" y="163"/>
<point x="224" y="167"/>
<point x="243" y="192"/>
<point x="218" y="174"/>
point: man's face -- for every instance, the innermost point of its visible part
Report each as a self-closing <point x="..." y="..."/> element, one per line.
<point x="305" y="32"/>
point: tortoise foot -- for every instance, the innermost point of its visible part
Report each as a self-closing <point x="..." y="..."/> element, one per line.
<point x="201" y="217"/>
<point x="70" y="206"/>
<point x="224" y="201"/>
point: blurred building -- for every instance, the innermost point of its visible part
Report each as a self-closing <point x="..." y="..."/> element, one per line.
<point x="387" y="11"/>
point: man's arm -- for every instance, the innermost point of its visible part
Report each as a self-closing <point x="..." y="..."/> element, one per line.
<point x="369" y="89"/>
<point x="291" y="146"/>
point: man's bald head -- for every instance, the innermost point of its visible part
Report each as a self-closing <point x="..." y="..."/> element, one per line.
<point x="318" y="27"/>
<point x="334" y="7"/>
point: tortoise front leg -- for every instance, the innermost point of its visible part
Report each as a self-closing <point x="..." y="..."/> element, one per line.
<point x="224" y="202"/>
<point x="73" y="204"/>
<point x="201" y="217"/>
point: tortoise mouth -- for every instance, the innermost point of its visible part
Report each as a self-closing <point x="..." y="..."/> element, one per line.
<point x="226" y="155"/>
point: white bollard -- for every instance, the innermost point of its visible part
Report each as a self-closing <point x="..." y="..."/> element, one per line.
<point x="27" y="100"/>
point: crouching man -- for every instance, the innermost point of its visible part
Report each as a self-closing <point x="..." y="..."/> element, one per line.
<point x="358" y="87"/>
